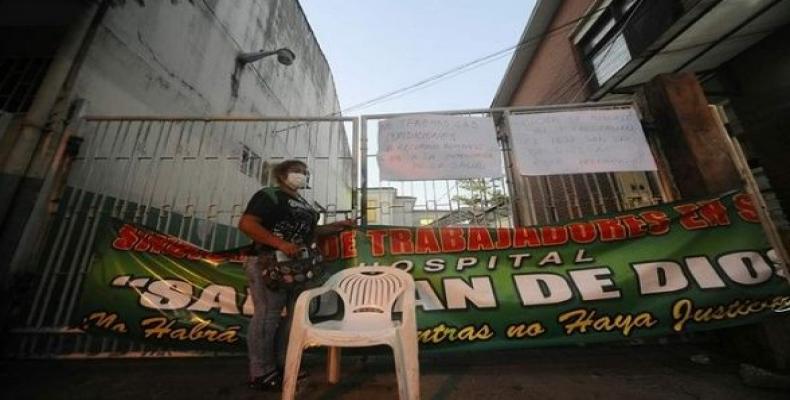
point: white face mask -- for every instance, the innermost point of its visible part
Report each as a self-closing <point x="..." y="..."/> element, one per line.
<point x="295" y="180"/>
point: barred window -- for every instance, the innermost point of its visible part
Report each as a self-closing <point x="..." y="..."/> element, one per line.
<point x="250" y="164"/>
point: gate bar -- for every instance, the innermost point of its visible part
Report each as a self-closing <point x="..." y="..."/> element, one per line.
<point x="217" y="118"/>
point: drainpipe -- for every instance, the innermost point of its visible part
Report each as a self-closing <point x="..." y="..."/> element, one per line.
<point x="36" y="138"/>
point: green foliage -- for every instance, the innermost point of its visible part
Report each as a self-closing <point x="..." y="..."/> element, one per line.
<point x="479" y="194"/>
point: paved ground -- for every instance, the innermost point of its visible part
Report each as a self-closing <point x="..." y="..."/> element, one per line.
<point x="641" y="372"/>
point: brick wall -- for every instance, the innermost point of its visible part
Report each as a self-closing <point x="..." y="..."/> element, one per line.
<point x="555" y="74"/>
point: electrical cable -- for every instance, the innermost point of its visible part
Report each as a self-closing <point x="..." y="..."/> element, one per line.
<point x="474" y="63"/>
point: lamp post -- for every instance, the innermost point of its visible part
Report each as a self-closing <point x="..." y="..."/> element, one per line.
<point x="284" y="56"/>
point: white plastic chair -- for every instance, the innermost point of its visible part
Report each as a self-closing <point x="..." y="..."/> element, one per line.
<point x="368" y="295"/>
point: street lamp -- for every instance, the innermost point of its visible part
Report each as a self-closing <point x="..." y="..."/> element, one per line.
<point x="284" y="55"/>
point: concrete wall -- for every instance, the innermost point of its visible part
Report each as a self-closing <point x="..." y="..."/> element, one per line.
<point x="177" y="59"/>
<point x="165" y="58"/>
<point x="162" y="58"/>
<point x="386" y="207"/>
<point x="379" y="206"/>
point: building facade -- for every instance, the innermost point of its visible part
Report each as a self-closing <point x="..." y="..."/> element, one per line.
<point x="732" y="56"/>
<point x="386" y="207"/>
<point x="140" y="111"/>
<point x="702" y="73"/>
<point x="172" y="60"/>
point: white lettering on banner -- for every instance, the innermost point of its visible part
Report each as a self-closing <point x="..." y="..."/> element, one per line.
<point x="427" y="147"/>
<point x="746" y="267"/>
<point x="222" y="298"/>
<point x="703" y="273"/>
<point x="426" y="297"/>
<point x="434" y="265"/>
<point x="465" y="262"/>
<point x="595" y="284"/>
<point x="540" y="289"/>
<point x="590" y="284"/>
<point x="660" y="277"/>
<point x="574" y="142"/>
<point x="167" y="295"/>
<point x="480" y="293"/>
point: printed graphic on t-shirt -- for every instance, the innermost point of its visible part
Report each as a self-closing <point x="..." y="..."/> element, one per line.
<point x="292" y="219"/>
<point x="299" y="226"/>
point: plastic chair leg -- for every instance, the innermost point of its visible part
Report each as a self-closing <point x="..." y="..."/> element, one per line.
<point x="408" y="339"/>
<point x="412" y="366"/>
<point x="400" y="370"/>
<point x="293" y="360"/>
<point x="333" y="365"/>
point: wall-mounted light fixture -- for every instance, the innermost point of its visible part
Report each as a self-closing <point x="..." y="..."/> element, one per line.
<point x="284" y="56"/>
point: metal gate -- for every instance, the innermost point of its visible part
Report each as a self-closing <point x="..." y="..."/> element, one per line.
<point x="514" y="200"/>
<point x="481" y="201"/>
<point x="191" y="177"/>
<point x="188" y="177"/>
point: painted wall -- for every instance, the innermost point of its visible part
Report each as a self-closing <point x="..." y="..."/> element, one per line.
<point x="386" y="207"/>
<point x="176" y="58"/>
<point x="165" y="58"/>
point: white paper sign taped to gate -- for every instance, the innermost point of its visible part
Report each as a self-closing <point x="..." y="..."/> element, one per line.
<point x="427" y="147"/>
<point x="573" y="142"/>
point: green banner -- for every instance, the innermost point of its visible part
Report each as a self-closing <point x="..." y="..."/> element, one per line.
<point x="661" y="270"/>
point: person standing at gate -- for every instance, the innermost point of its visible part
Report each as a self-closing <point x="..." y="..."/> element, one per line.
<point x="282" y="225"/>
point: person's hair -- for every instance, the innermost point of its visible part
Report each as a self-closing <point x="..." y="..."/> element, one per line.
<point x="281" y="169"/>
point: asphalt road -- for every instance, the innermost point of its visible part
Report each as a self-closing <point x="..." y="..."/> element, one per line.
<point x="671" y="371"/>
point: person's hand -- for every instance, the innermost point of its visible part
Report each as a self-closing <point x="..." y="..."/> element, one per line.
<point x="335" y="227"/>
<point x="346" y="223"/>
<point x="290" y="249"/>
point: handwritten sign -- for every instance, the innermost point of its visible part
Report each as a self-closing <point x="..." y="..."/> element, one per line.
<point x="427" y="147"/>
<point x="573" y="142"/>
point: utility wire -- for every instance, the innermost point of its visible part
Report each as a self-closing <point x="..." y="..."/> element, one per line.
<point x="561" y="90"/>
<point x="457" y="70"/>
<point x="474" y="63"/>
<point x="565" y="85"/>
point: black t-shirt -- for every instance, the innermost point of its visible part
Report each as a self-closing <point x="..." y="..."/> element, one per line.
<point x="291" y="218"/>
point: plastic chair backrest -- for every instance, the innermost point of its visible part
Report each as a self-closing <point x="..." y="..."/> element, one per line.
<point x="370" y="292"/>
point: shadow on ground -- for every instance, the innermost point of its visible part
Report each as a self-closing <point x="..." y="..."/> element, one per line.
<point x="637" y="372"/>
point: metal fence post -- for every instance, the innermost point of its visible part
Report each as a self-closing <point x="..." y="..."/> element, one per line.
<point x="519" y="201"/>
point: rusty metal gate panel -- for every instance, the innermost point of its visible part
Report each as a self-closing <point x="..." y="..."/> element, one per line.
<point x="189" y="177"/>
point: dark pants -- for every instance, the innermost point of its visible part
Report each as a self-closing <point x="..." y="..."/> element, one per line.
<point x="267" y="335"/>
